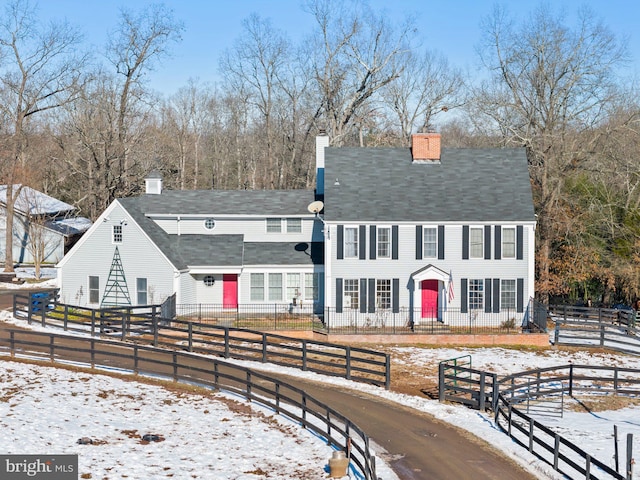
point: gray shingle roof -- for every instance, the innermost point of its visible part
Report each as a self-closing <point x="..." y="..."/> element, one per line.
<point x="273" y="253"/>
<point x="224" y="250"/>
<point x="228" y="202"/>
<point x="468" y="185"/>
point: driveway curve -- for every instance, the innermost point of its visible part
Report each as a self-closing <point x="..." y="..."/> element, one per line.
<point x="419" y="446"/>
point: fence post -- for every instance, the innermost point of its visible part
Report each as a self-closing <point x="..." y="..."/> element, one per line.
<point x="226" y="342"/>
<point x="348" y="360"/>
<point x="556" y="333"/>
<point x="93" y="352"/>
<point x="495" y="394"/>
<point x="571" y="380"/>
<point x="531" y="435"/>
<point x="93" y="321"/>
<point x="304" y="355"/>
<point x="248" y="389"/>
<point x="441" y="382"/>
<point x="175" y="367"/>
<point x="52" y="339"/>
<point x="156" y="331"/>
<point x="629" y="456"/>
<point x="12" y="342"/>
<point x="556" y="451"/>
<point x="387" y="371"/>
<point x="264" y="347"/>
<point x="124" y="326"/>
<point x="135" y="358"/>
<point x="191" y="336"/>
<point x="482" y="392"/>
<point x="601" y="334"/>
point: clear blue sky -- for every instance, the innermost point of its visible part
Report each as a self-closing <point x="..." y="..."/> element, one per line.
<point x="451" y="27"/>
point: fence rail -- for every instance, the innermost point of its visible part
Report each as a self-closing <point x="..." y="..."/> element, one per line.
<point x="145" y="325"/>
<point x="596" y="327"/>
<point x="507" y="396"/>
<point x="284" y="399"/>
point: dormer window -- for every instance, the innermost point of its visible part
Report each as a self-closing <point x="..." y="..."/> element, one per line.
<point x="274" y="225"/>
<point x="294" y="225"/>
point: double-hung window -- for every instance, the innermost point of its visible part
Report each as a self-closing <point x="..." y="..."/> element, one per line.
<point x="294" y="225"/>
<point x="141" y="291"/>
<point x="94" y="289"/>
<point x="275" y="287"/>
<point x="430" y="240"/>
<point x="117" y="234"/>
<point x="476" y="243"/>
<point x="293" y="286"/>
<point x="507" y="294"/>
<point x="257" y="287"/>
<point x="312" y="286"/>
<point x="350" y="242"/>
<point x="476" y="294"/>
<point x="384" y="242"/>
<point x="274" y="225"/>
<point x="383" y="294"/>
<point x="351" y="294"/>
<point x="508" y="243"/>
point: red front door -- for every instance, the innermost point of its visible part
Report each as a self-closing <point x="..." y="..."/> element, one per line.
<point x="429" y="298"/>
<point x="230" y="290"/>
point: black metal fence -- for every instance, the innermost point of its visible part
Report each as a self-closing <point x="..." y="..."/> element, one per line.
<point x="354" y="322"/>
<point x="289" y="401"/>
<point x="146" y="325"/>
<point x="511" y="395"/>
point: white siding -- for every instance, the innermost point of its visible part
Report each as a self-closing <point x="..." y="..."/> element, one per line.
<point x="253" y="229"/>
<point x="93" y="256"/>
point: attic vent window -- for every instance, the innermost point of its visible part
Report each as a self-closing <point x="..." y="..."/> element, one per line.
<point x="209" y="224"/>
<point x="209" y="280"/>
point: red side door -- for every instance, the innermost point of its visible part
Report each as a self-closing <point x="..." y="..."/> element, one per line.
<point x="429" y="299"/>
<point x="230" y="290"/>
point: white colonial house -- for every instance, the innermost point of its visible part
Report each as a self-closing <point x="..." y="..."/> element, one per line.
<point x="420" y="232"/>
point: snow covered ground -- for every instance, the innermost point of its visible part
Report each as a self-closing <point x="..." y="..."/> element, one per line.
<point x="199" y="444"/>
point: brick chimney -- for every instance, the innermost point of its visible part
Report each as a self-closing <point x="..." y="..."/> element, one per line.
<point x="425" y="146"/>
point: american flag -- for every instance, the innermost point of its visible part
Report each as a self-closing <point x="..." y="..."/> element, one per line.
<point x="451" y="294"/>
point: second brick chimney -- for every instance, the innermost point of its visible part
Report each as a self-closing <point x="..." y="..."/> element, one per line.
<point x="425" y="146"/>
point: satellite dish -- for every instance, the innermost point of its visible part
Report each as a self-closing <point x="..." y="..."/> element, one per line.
<point x="315" y="207"/>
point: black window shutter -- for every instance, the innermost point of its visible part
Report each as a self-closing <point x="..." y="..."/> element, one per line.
<point x="498" y="242"/>
<point x="418" y="242"/>
<point x="465" y="242"/>
<point x="440" y="242"/>
<point x="363" y="295"/>
<point x="394" y="242"/>
<point x="396" y="295"/>
<point x="363" y="242"/>
<point x="464" y="308"/>
<point x="487" y="242"/>
<point x="487" y="295"/>
<point x="519" y="242"/>
<point x="340" y="242"/>
<point x="520" y="295"/>
<point x="372" y="295"/>
<point x="339" y="295"/>
<point x="373" y="249"/>
<point x="496" y="295"/>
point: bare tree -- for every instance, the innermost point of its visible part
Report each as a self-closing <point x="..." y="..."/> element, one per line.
<point x="137" y="43"/>
<point x="41" y="71"/>
<point x="549" y="83"/>
<point x="353" y="51"/>
<point x="428" y="85"/>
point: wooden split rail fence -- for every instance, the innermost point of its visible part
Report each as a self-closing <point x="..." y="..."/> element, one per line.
<point x="284" y="399"/>
<point x="145" y="325"/>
